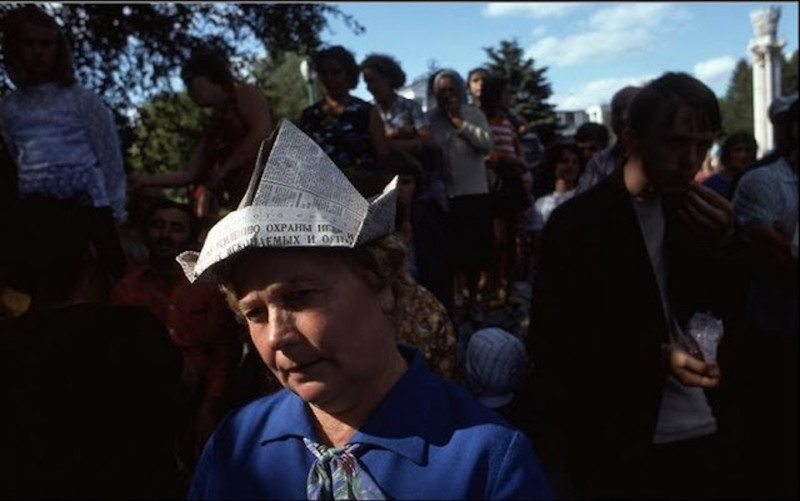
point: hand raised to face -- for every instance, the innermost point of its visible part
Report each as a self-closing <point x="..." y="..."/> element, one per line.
<point x="707" y="212"/>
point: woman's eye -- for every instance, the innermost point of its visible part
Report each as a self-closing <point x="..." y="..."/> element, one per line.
<point x="254" y="314"/>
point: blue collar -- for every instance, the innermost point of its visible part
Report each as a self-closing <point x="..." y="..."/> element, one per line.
<point x="397" y="424"/>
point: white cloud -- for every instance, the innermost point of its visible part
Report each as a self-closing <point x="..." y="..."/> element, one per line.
<point x="536" y="10"/>
<point x="595" y="92"/>
<point x="715" y="70"/>
<point x="538" y="31"/>
<point x="612" y="32"/>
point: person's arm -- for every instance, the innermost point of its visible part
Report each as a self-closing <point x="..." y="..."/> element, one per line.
<point x="517" y="120"/>
<point x="254" y="110"/>
<point x="104" y="140"/>
<point x="766" y="241"/>
<point x="422" y="139"/>
<point x="474" y="128"/>
<point x="377" y="134"/>
<point x="189" y="174"/>
<point x="420" y="136"/>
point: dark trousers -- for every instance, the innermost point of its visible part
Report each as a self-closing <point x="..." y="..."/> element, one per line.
<point x="698" y="468"/>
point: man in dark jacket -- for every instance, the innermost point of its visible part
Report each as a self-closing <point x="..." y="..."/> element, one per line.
<point x="623" y="268"/>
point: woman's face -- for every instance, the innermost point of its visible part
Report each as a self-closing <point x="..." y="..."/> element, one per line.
<point x="742" y="156"/>
<point x="317" y="325"/>
<point x="36" y="50"/>
<point x="476" y="83"/>
<point x="204" y="92"/>
<point x="568" y="167"/>
<point x="377" y="84"/>
<point x="447" y="94"/>
<point x="405" y="188"/>
<point x="333" y="78"/>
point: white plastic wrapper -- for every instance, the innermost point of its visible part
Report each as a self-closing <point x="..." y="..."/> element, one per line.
<point x="706" y="331"/>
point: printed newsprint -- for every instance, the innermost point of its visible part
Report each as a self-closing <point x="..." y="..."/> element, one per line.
<point x="296" y="198"/>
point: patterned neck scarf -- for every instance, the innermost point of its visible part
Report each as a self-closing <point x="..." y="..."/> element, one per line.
<point x="337" y="474"/>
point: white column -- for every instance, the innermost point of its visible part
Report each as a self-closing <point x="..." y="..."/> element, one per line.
<point x="766" y="54"/>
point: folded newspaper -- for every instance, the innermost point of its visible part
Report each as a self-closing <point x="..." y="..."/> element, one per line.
<point x="297" y="197"/>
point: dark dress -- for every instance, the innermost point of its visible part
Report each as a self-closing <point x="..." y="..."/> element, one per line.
<point x="347" y="141"/>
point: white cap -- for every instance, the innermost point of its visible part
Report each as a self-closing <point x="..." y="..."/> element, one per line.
<point x="297" y="197"/>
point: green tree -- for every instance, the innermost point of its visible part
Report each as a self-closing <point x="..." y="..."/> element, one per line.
<point x="789" y="74"/>
<point x="165" y="131"/>
<point x="283" y="85"/>
<point x="737" y="105"/>
<point x="529" y="85"/>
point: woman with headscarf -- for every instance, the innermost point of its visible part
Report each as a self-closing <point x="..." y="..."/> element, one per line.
<point x="462" y="133"/>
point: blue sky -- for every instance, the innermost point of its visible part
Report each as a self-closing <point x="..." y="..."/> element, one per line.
<point x="591" y="49"/>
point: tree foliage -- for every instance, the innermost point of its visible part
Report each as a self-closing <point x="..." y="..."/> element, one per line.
<point x="737" y="105"/>
<point x="529" y="85"/>
<point x="165" y="132"/>
<point x="789" y="74"/>
<point x="132" y="52"/>
<point x="283" y="84"/>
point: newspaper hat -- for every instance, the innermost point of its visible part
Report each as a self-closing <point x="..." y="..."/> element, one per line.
<point x="496" y="363"/>
<point x="297" y="197"/>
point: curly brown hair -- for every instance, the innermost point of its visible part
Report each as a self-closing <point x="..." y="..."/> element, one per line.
<point x="387" y="67"/>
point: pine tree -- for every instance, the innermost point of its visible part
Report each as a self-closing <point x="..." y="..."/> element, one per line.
<point x="789" y="74"/>
<point x="737" y="105"/>
<point x="529" y="85"/>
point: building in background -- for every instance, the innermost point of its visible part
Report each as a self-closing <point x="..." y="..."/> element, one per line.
<point x="418" y="91"/>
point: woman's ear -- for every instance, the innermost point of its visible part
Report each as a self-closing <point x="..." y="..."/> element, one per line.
<point x="387" y="300"/>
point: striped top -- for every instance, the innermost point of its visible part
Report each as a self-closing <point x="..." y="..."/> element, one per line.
<point x="504" y="136"/>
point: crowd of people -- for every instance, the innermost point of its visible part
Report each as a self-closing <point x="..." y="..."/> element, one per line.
<point x="661" y="353"/>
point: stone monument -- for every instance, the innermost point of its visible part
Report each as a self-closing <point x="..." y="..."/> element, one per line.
<point x="765" y="50"/>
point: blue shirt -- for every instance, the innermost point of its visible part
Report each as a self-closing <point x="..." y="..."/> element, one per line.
<point x="428" y="439"/>
<point x="720" y="184"/>
<point x="767" y="196"/>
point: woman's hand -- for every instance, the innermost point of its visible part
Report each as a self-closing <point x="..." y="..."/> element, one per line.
<point x="454" y="115"/>
<point x="135" y="183"/>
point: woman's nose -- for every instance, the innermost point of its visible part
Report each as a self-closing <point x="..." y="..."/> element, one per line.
<point x="280" y="328"/>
